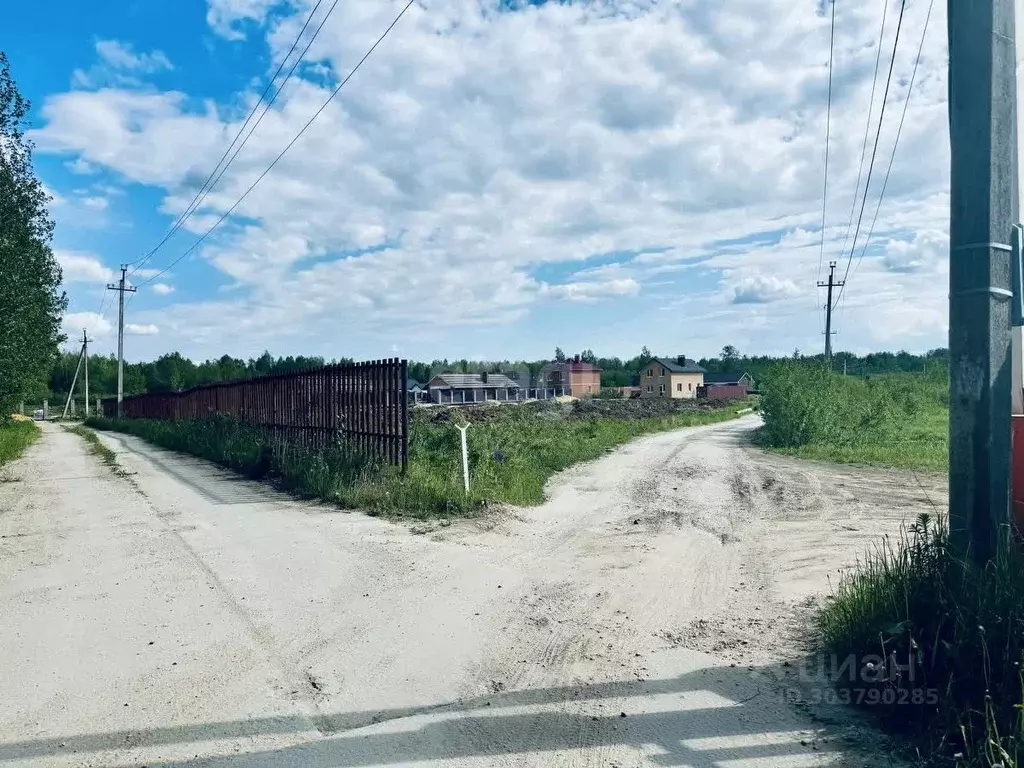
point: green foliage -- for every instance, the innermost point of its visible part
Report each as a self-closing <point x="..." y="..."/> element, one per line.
<point x="513" y="451"/>
<point x="898" y="419"/>
<point x="96" y="447"/>
<point x="15" y="437"/>
<point x="31" y="302"/>
<point x="957" y="629"/>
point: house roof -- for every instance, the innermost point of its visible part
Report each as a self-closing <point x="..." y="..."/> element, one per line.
<point x="673" y="366"/>
<point x="725" y="378"/>
<point x="573" y="366"/>
<point x="472" y="381"/>
<point x="411" y="384"/>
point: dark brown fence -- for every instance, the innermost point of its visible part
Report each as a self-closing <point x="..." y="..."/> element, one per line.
<point x="361" y="404"/>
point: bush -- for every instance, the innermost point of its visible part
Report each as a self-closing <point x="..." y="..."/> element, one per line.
<point x="898" y="419"/>
<point x="958" y="628"/>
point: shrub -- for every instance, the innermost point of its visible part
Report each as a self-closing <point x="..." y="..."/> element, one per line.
<point x="957" y="627"/>
<point x="15" y="437"/>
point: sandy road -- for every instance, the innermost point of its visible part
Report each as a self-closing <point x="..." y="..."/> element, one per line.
<point x="180" y="616"/>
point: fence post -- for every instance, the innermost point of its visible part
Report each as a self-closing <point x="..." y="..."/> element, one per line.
<point x="46" y="409"/>
<point x="465" y="457"/>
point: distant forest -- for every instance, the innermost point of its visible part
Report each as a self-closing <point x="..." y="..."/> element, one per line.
<point x="173" y="372"/>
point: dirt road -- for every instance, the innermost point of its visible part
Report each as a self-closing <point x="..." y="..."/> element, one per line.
<point x="176" y="615"/>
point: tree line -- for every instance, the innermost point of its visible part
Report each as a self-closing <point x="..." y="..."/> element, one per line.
<point x="174" y="372"/>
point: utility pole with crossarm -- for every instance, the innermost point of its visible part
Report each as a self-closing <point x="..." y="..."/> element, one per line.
<point x="832" y="283"/>
<point x="121" y="289"/>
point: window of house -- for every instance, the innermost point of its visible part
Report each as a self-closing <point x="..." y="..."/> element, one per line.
<point x="679" y="387"/>
<point x="662" y="389"/>
<point x="650" y="372"/>
<point x="691" y="386"/>
<point x="650" y="388"/>
<point x="663" y="372"/>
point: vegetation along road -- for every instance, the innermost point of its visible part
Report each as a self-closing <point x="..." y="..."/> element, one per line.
<point x="160" y="611"/>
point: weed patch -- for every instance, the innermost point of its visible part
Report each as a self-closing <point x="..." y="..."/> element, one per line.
<point x="513" y="451"/>
<point x="899" y="420"/>
<point x="15" y="437"/>
<point x="96" y="446"/>
<point x="946" y="639"/>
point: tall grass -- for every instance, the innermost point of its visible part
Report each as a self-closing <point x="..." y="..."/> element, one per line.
<point x="898" y="420"/>
<point x="952" y="635"/>
<point x="513" y="451"/>
<point x="15" y="437"/>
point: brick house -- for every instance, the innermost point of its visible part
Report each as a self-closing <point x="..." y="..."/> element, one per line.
<point x="671" y="377"/>
<point x="576" y="377"/>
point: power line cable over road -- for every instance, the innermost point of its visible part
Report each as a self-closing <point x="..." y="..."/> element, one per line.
<point x="284" y="151"/>
<point x="214" y="177"/>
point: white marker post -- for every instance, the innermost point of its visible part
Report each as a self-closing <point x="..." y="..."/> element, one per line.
<point x="465" y="457"/>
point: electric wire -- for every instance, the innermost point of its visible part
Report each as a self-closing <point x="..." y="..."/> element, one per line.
<point x="291" y="143"/>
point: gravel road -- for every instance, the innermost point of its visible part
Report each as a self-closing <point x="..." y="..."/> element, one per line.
<point x="171" y="614"/>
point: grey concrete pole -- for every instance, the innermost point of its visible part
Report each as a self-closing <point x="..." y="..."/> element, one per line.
<point x="983" y="208"/>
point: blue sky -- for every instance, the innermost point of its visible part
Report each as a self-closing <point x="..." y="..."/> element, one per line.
<point x="496" y="180"/>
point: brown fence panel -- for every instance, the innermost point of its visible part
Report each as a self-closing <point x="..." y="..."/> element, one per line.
<point x="360" y="405"/>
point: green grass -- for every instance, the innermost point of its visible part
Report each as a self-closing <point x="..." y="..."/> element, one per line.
<point x="956" y="629"/>
<point x="15" y="437"/>
<point x="513" y="451"/>
<point x="897" y="420"/>
<point x="96" y="447"/>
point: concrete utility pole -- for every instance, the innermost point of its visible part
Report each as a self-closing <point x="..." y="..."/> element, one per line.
<point x="121" y="289"/>
<point x="74" y="380"/>
<point x="832" y="283"/>
<point x="85" y="357"/>
<point x="983" y="210"/>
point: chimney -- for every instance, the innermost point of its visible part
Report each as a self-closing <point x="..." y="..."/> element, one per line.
<point x="576" y="358"/>
<point x="681" y="360"/>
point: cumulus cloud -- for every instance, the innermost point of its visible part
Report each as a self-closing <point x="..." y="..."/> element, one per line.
<point x="479" y="144"/>
<point x="162" y="289"/>
<point x="143" y="329"/>
<point x="82" y="267"/>
<point x="762" y="289"/>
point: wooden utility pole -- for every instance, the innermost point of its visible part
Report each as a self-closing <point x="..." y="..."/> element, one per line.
<point x="983" y="210"/>
<point x="121" y="289"/>
<point x="832" y="283"/>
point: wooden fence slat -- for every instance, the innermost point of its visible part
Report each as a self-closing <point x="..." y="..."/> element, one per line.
<point x="362" y="406"/>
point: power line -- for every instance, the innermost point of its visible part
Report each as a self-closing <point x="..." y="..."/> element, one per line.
<point x="270" y="167"/>
<point x="874" y="151"/>
<point x="899" y="131"/>
<point x="867" y="129"/>
<point x="210" y="182"/>
<point x="828" y="131"/>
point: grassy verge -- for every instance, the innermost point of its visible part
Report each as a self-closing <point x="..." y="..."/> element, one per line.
<point x="96" y="447"/>
<point x="899" y="420"/>
<point x="15" y="437"/>
<point x="513" y="451"/>
<point x="945" y="640"/>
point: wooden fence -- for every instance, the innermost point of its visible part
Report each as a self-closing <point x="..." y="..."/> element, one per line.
<point x="361" y="404"/>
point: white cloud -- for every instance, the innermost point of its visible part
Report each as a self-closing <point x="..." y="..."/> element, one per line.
<point x="762" y="289"/>
<point x="97" y="326"/>
<point x="478" y="146"/>
<point x="141" y="329"/>
<point x="82" y="267"/>
<point x="94" y="203"/>
<point x="162" y="289"/>
<point x="224" y="15"/>
<point x="590" y="291"/>
<point x="119" y="64"/>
